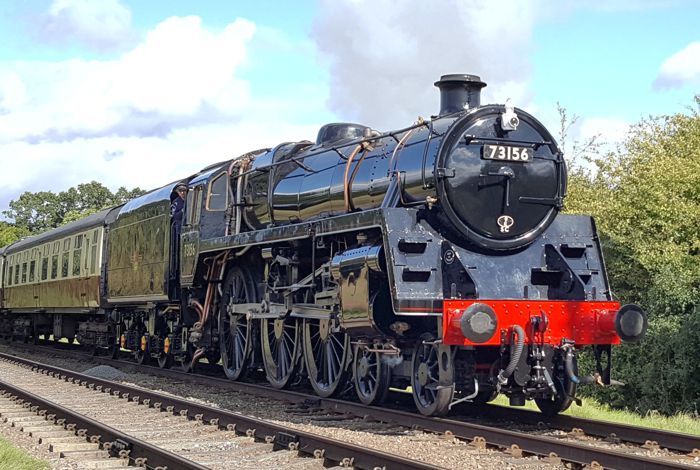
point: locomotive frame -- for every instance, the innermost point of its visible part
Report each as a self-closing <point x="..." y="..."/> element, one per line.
<point x="432" y="257"/>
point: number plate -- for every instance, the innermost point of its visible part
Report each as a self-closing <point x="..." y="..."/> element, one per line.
<point x="507" y="153"/>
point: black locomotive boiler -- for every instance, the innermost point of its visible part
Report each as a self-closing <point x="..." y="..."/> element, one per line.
<point x="433" y="259"/>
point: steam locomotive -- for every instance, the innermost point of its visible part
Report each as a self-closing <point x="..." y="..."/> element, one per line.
<point x="432" y="258"/>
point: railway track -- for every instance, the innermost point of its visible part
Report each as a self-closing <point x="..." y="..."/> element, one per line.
<point x="144" y="428"/>
<point x="514" y="442"/>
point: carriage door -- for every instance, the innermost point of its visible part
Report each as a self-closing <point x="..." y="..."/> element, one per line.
<point x="189" y="240"/>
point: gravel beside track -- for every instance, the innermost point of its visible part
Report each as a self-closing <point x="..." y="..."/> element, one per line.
<point x="201" y="441"/>
<point x="62" y="447"/>
<point x="436" y="448"/>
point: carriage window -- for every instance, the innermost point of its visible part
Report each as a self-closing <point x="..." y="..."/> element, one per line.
<point x="16" y="274"/>
<point x="44" y="269"/>
<point x="32" y="270"/>
<point x="78" y="241"/>
<point x="46" y="250"/>
<point x="64" y="265"/>
<point x="54" y="266"/>
<point x="94" y="236"/>
<point x="9" y="276"/>
<point x="26" y="255"/>
<point x="76" y="263"/>
<point x="217" y="197"/>
<point x="66" y="244"/>
<point x="93" y="259"/>
<point x="24" y="273"/>
<point x="56" y="247"/>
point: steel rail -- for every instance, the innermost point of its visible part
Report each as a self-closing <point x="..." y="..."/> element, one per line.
<point x="281" y="436"/>
<point x="685" y="443"/>
<point x="676" y="441"/>
<point x="614" y="431"/>
<point x="117" y="440"/>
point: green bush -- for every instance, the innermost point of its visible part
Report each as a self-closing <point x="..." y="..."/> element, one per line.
<point x="646" y="202"/>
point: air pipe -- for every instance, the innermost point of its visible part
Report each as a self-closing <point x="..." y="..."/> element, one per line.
<point x="514" y="357"/>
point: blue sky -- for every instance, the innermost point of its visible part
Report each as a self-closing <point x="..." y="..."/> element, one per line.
<point x="144" y="92"/>
<point x="605" y="61"/>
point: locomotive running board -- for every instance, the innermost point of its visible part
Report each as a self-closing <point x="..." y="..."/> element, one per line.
<point x="374" y="218"/>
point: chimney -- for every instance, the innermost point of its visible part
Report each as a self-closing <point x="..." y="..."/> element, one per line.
<point x="459" y="91"/>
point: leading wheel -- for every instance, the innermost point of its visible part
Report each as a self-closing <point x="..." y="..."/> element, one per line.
<point x="325" y="356"/>
<point x="280" y="339"/>
<point x="235" y="328"/>
<point x="566" y="391"/>
<point x="431" y="398"/>
<point x="371" y="376"/>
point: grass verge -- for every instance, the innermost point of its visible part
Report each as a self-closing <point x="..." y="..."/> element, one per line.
<point x="13" y="458"/>
<point x="591" y="409"/>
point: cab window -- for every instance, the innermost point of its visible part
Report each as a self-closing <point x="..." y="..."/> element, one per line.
<point x="217" y="195"/>
<point x="194" y="206"/>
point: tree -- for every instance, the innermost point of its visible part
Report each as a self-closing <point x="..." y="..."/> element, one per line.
<point x="9" y="233"/>
<point x="40" y="211"/>
<point x="646" y="201"/>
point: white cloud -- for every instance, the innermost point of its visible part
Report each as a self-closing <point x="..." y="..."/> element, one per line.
<point x="611" y="130"/>
<point x="128" y="161"/>
<point x="103" y="24"/>
<point x="12" y="92"/>
<point x="384" y="56"/>
<point x="682" y="68"/>
<point x="593" y="137"/>
<point x="180" y="75"/>
<point x="170" y="106"/>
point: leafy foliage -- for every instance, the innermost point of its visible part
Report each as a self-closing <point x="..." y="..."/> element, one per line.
<point x="646" y="201"/>
<point x="10" y="233"/>
<point x="43" y="210"/>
